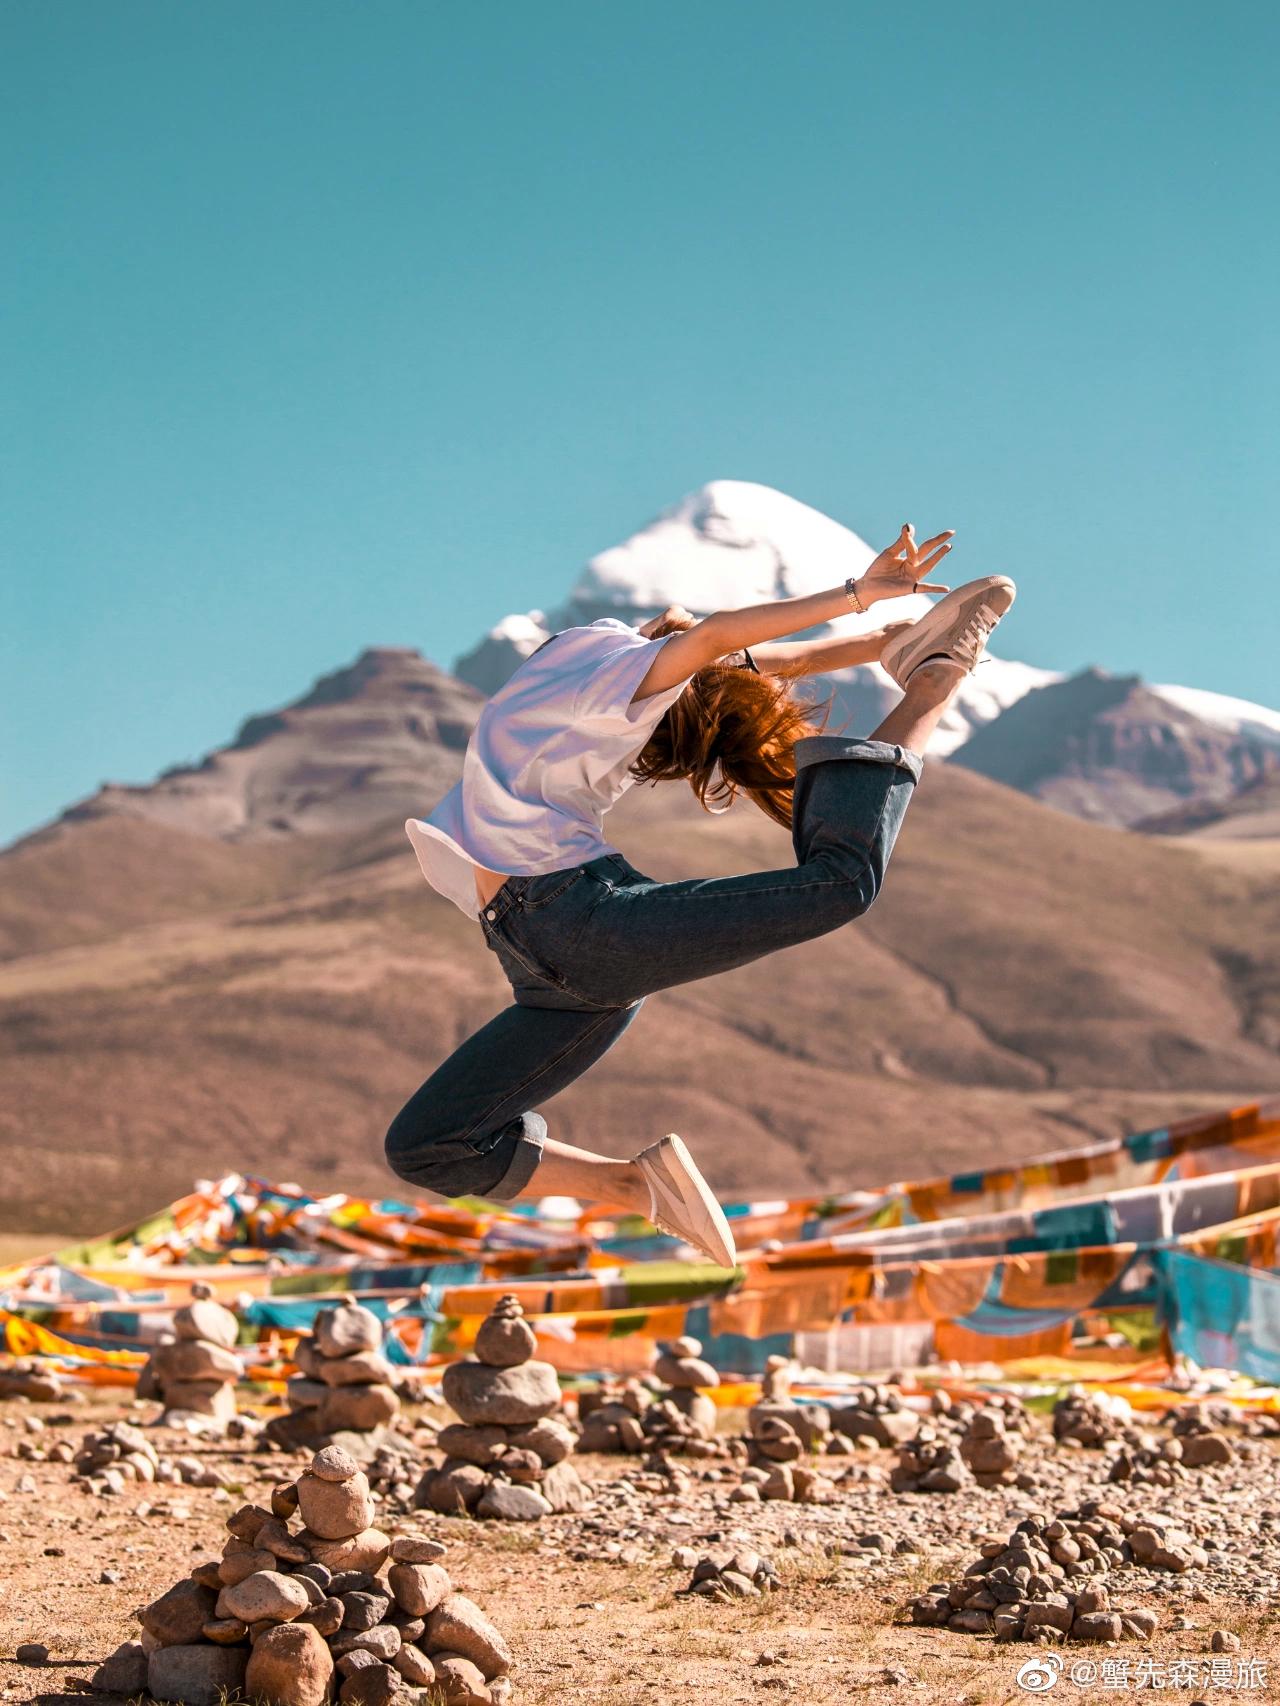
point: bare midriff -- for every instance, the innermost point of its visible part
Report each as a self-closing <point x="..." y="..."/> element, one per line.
<point x="487" y="884"/>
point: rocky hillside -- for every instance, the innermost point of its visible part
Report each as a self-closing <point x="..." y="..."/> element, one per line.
<point x="384" y="736"/>
<point x="1251" y="814"/>
<point x="1109" y="749"/>
<point x="177" y="1005"/>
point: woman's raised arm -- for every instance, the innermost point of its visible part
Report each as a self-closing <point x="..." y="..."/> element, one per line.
<point x="897" y="571"/>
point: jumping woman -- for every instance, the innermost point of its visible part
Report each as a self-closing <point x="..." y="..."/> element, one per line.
<point x="581" y="936"/>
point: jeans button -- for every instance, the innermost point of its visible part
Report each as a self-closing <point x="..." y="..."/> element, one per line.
<point x="491" y="915"/>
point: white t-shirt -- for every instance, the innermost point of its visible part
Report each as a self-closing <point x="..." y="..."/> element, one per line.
<point x="550" y="754"/>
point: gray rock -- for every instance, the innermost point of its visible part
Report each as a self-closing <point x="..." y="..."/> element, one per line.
<point x="459" y="1626"/>
<point x="505" y="1339"/>
<point x="205" y="1319"/>
<point x="564" y="1489"/>
<point x="383" y="1641"/>
<point x="507" y="1502"/>
<point x="373" y="1685"/>
<point x="265" y="1597"/>
<point x="366" y="1551"/>
<point x="451" y="1490"/>
<point x="125" y="1672"/>
<point x="510" y="1397"/>
<point x="415" y="1667"/>
<point x="685" y="1373"/>
<point x="550" y="1439"/>
<point x="363" y="1610"/>
<point x="481" y="1446"/>
<point x="358" y="1408"/>
<point x="332" y="1463"/>
<point x="178" y="1617"/>
<point x="364" y="1368"/>
<point x="419" y="1588"/>
<point x="416" y="1549"/>
<point x="347" y="1329"/>
<point x="460" y="1682"/>
<point x="196" y="1675"/>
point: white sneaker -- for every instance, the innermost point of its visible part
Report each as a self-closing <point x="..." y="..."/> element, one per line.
<point x="958" y="627"/>
<point x="681" y="1201"/>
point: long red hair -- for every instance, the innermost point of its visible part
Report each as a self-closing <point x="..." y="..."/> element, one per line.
<point x="731" y="732"/>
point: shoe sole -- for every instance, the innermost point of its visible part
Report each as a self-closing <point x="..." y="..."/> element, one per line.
<point x="933" y="634"/>
<point x="674" y="1147"/>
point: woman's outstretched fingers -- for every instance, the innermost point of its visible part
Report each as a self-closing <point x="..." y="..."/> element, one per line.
<point x="931" y="563"/>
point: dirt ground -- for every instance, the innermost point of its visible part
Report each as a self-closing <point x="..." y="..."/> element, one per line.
<point x="607" y="1633"/>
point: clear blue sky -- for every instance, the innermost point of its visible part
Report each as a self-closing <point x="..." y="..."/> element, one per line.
<point x="332" y="324"/>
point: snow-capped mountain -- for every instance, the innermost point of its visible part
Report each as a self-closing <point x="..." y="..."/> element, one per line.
<point x="732" y="543"/>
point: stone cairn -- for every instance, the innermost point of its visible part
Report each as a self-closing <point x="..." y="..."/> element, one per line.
<point x="344" y="1383"/>
<point x="193" y="1370"/>
<point x="29" y="1378"/>
<point x="290" y="1617"/>
<point x="876" y="1414"/>
<point x="611" y="1417"/>
<point x="120" y="1455"/>
<point x="744" y="1575"/>
<point x="990" y="1450"/>
<point x="780" y="1432"/>
<point x="508" y="1455"/>
<point x="928" y="1464"/>
<point x="1198" y="1430"/>
<point x="1045" y="1583"/>
<point x="1079" y="1420"/>
<point x="959" y="1444"/>
<point x="679" y="1418"/>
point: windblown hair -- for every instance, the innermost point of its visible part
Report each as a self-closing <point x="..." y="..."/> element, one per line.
<point x="731" y="732"/>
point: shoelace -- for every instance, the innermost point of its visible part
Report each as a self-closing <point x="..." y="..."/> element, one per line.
<point x="973" y="637"/>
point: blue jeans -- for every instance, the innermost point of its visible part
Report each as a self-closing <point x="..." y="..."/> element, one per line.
<point x="582" y="948"/>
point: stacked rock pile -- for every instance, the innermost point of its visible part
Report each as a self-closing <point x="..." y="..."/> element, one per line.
<point x="959" y="1444"/>
<point x="1198" y="1430"/>
<point x="779" y="1430"/>
<point x="508" y="1455"/>
<point x="990" y="1450"/>
<point x="929" y="1464"/>
<point x="343" y="1384"/>
<point x="743" y="1575"/>
<point x="686" y="1380"/>
<point x="875" y="1414"/>
<point x="29" y="1378"/>
<point x="677" y="1418"/>
<point x="40" y="1446"/>
<point x="611" y="1417"/>
<point x="794" y="1483"/>
<point x="289" y="1617"/>
<point x="1047" y="1581"/>
<point x="110" y="1460"/>
<point x="1083" y="1421"/>
<point x="193" y="1371"/>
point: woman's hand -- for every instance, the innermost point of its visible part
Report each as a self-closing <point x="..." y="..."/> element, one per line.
<point x="902" y="567"/>
<point x="675" y="616"/>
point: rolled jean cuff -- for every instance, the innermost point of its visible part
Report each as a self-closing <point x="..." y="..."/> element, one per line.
<point x="522" y="1151"/>
<point x="824" y="749"/>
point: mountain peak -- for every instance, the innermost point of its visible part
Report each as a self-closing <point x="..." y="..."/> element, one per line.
<point x="1110" y="748"/>
<point x="381" y="737"/>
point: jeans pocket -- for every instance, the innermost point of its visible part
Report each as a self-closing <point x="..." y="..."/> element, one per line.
<point x="541" y="891"/>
